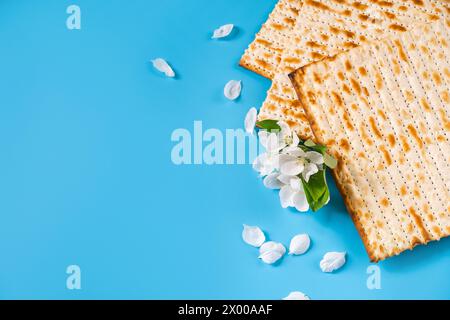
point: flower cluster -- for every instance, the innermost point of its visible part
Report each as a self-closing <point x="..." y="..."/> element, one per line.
<point x="288" y="164"/>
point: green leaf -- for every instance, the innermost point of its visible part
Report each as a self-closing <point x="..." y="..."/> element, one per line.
<point x="316" y="190"/>
<point x="320" y="149"/>
<point x="330" y="161"/>
<point x="269" y="125"/>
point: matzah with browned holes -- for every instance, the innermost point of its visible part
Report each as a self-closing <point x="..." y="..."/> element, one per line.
<point x="264" y="53"/>
<point x="327" y="27"/>
<point x="383" y="110"/>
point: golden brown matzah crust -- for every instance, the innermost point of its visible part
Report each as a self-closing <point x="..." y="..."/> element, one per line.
<point x="327" y="27"/>
<point x="383" y="109"/>
<point x="264" y="53"/>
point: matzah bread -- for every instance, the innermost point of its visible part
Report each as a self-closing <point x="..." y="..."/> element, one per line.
<point x="264" y="54"/>
<point x="383" y="109"/>
<point x="327" y="27"/>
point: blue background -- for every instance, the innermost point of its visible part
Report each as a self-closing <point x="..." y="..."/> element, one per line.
<point x="86" y="176"/>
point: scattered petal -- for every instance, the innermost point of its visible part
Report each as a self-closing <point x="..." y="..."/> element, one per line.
<point x="272" y="181"/>
<point x="299" y="244"/>
<point x="271" y="257"/>
<point x="223" y="31"/>
<point x="162" y="66"/>
<point x="250" y="120"/>
<point x="232" y="89"/>
<point x="253" y="236"/>
<point x="332" y="261"/>
<point x="272" y="246"/>
<point x="271" y="252"/>
<point x="297" y="295"/>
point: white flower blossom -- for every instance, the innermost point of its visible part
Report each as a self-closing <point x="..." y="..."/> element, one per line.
<point x="295" y="161"/>
<point x="285" y="164"/>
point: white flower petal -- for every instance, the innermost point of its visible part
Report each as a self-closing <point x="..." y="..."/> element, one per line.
<point x="295" y="151"/>
<point x="332" y="261"/>
<point x="285" y="179"/>
<point x="232" y="89"/>
<point x="296" y="183"/>
<point x="162" y="66"/>
<point x="223" y="31"/>
<point x="315" y="157"/>
<point x="271" y="252"/>
<point x="310" y="169"/>
<point x="286" y="197"/>
<point x="270" y="257"/>
<point x="292" y="168"/>
<point x="259" y="162"/>
<point x="253" y="236"/>
<point x="266" y="164"/>
<point x="250" y="120"/>
<point x="300" y="202"/>
<point x="286" y="158"/>
<point x="272" y="143"/>
<point x="272" y="182"/>
<point x="295" y="140"/>
<point x="297" y="295"/>
<point x="272" y="246"/>
<point x="269" y="168"/>
<point x="285" y="129"/>
<point x="263" y="135"/>
<point x="299" y="244"/>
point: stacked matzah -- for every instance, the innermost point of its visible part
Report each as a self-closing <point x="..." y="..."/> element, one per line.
<point x="325" y="28"/>
<point x="264" y="54"/>
<point x="394" y="169"/>
<point x="383" y="110"/>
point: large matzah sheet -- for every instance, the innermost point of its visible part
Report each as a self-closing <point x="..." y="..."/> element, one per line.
<point x="327" y="27"/>
<point x="264" y="54"/>
<point x="383" y="110"/>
